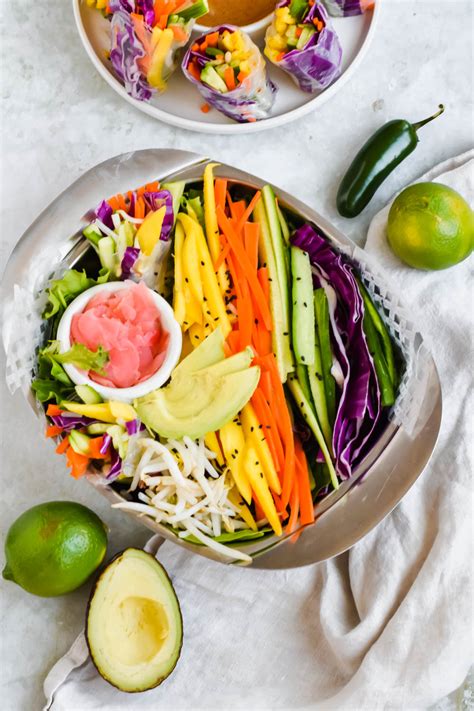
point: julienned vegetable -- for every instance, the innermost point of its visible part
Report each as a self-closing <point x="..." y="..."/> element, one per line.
<point x="285" y="376"/>
<point x="377" y="158"/>
<point x="348" y="8"/>
<point x="145" y="39"/>
<point x="230" y="73"/>
<point x="302" y="42"/>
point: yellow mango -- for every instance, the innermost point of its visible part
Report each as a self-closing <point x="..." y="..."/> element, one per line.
<point x="212" y="443"/>
<point x="214" y="301"/>
<point x="254" y="473"/>
<point x="149" y="231"/>
<point x="179" y="303"/>
<point x="191" y="267"/>
<point x="198" y="333"/>
<point x="280" y="26"/>
<point x="255" y="436"/>
<point x="104" y="411"/>
<point x="244" y="511"/>
<point x="233" y="445"/>
<point x="277" y="42"/>
<point x="193" y="308"/>
<point x="155" y="73"/>
<point x="212" y="228"/>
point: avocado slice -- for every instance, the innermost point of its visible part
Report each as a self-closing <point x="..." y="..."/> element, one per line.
<point x="209" y="352"/>
<point x="134" y="627"/>
<point x="203" y="404"/>
<point x="210" y="77"/>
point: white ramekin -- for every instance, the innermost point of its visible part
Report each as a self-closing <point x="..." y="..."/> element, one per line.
<point x="252" y="29"/>
<point x="168" y="322"/>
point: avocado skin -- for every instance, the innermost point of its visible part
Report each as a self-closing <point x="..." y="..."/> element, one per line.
<point x="92" y="593"/>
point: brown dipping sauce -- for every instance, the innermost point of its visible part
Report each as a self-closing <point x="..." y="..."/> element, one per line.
<point x="236" y="12"/>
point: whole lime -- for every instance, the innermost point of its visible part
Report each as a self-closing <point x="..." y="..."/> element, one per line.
<point x="53" y="548"/>
<point x="430" y="226"/>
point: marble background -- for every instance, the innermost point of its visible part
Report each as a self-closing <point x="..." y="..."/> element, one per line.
<point x="59" y="118"/>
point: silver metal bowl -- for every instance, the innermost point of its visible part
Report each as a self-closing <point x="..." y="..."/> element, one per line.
<point x="383" y="477"/>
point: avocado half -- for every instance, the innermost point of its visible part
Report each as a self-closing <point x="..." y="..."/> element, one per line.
<point x="134" y="627"/>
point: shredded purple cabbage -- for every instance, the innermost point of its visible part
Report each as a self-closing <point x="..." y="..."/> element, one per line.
<point x="125" y="52"/>
<point x="345" y="8"/>
<point x="104" y="214"/>
<point x="71" y="422"/>
<point x="156" y="200"/>
<point x="360" y="404"/>
<point x="318" y="64"/>
<point x="129" y="258"/>
<point x="134" y="426"/>
<point x="252" y="100"/>
<point x="115" y="465"/>
<point x="105" y="444"/>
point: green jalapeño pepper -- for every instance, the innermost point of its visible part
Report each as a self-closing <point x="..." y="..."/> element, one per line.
<point x="386" y="149"/>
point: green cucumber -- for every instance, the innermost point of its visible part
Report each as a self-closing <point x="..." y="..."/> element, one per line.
<point x="280" y="333"/>
<point x="298" y="9"/>
<point x="321" y="308"/>
<point x="303" y="379"/>
<point x="197" y="9"/>
<point x="383" y="332"/>
<point x="93" y="234"/>
<point x="305" y="36"/>
<point x="79" y="442"/>
<point x="387" y="391"/>
<point x="316" y="384"/>
<point x="88" y="394"/>
<point x="107" y="253"/>
<point x="310" y="418"/>
<point x="302" y="306"/>
<point x="214" y="52"/>
<point x="176" y="188"/>
<point x="97" y="428"/>
<point x="285" y="230"/>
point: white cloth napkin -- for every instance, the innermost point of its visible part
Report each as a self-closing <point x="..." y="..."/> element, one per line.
<point x="387" y="625"/>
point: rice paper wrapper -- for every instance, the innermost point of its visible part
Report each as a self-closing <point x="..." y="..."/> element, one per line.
<point x="252" y="100"/>
<point x="347" y="8"/>
<point x="127" y="55"/>
<point x="318" y="64"/>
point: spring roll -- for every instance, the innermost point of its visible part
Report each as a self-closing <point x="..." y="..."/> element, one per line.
<point x="302" y="42"/>
<point x="230" y="73"/>
<point x="146" y="38"/>
<point x="346" y="8"/>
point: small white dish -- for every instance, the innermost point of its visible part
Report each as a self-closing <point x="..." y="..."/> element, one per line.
<point x="168" y="321"/>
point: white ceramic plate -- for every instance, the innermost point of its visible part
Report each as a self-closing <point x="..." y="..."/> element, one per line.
<point x="180" y="104"/>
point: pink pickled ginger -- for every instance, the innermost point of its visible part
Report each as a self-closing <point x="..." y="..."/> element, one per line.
<point x="127" y="324"/>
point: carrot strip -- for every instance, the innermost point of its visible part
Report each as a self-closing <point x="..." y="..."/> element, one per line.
<point x="53" y="430"/>
<point x="233" y="341"/>
<point x="205" y="108"/>
<point x="251" y="235"/>
<point x="220" y="190"/>
<point x="304" y="486"/>
<point x="294" y="510"/>
<point x="265" y="417"/>
<point x="245" y="314"/>
<point x="77" y="462"/>
<point x="140" y="208"/>
<point x="114" y="203"/>
<point x="237" y="209"/>
<point x="250" y="208"/>
<point x="244" y="262"/>
<point x="53" y="410"/>
<point x="259" y="512"/>
<point x="179" y="34"/>
<point x="285" y="428"/>
<point x="62" y="446"/>
<point x="234" y="275"/>
<point x="152" y="187"/>
<point x="229" y="78"/>
<point x="212" y="39"/>
<point x="193" y="69"/>
<point x="94" y="448"/>
<point x="222" y="256"/>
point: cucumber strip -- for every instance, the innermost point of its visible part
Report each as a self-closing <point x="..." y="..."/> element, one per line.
<point x="310" y="418"/>
<point x="384" y="334"/>
<point x="281" y="254"/>
<point x="285" y="230"/>
<point x="280" y="333"/>
<point x="316" y="383"/>
<point x="387" y="391"/>
<point x="79" y="442"/>
<point x="303" y="379"/>
<point x="321" y="308"/>
<point x="107" y="253"/>
<point x="93" y="234"/>
<point x="197" y="9"/>
<point x="88" y="395"/>
<point x="302" y="306"/>
<point x="176" y="189"/>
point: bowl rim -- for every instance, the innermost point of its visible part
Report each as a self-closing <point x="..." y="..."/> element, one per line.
<point x="250" y="29"/>
<point x="156" y="380"/>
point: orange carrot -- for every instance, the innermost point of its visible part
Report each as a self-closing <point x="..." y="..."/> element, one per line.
<point x="152" y="187"/>
<point x="265" y="417"/>
<point x="205" y="108"/>
<point x="193" y="69"/>
<point x="77" y="462"/>
<point x="229" y="78"/>
<point x="244" y="264"/>
<point x="220" y="190"/>
<point x="53" y="431"/>
<point x="294" y="508"/>
<point x="179" y="34"/>
<point x="304" y="486"/>
<point x="242" y="76"/>
<point x="140" y="208"/>
<point x="94" y="448"/>
<point x="259" y="512"/>
<point x="62" y="446"/>
<point x="212" y="39"/>
<point x="114" y="203"/>
<point x="285" y="428"/>
<point x="237" y="209"/>
<point x="234" y="275"/>
<point x="251" y="235"/>
<point x="245" y="314"/>
<point x="233" y="341"/>
<point x="222" y="256"/>
<point x="53" y="410"/>
<point x="250" y="208"/>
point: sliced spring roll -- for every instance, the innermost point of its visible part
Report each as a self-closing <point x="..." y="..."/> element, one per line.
<point x="302" y="42"/>
<point x="346" y="8"/>
<point x="146" y="37"/>
<point x="230" y="72"/>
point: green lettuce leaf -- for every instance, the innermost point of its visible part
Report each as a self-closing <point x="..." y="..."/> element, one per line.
<point x="82" y="357"/>
<point x="62" y="291"/>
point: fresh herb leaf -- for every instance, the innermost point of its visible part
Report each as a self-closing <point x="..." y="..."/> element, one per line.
<point x="62" y="291"/>
<point x="82" y="357"/>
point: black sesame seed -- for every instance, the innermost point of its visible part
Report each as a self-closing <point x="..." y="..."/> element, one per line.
<point x="186" y="280"/>
<point x="203" y="264"/>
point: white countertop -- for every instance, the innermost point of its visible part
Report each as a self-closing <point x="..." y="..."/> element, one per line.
<point x="60" y="118"/>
